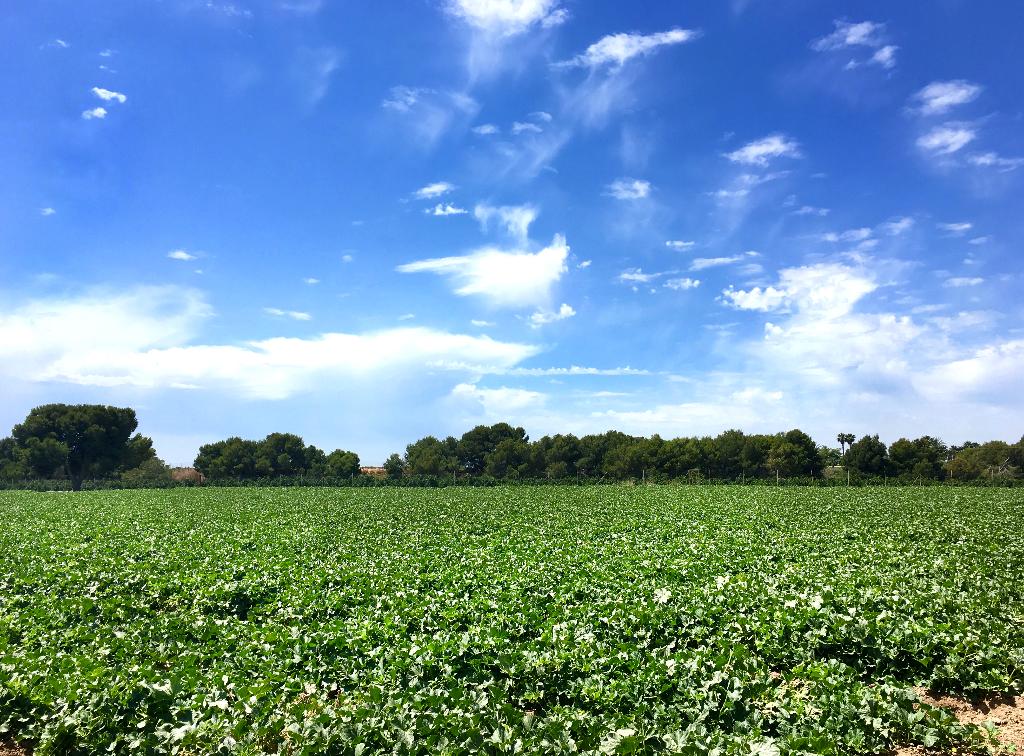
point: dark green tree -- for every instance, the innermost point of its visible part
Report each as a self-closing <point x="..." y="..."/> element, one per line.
<point x="509" y="459"/>
<point x="95" y="436"/>
<point x="231" y="458"/>
<point x="430" y="456"/>
<point x="394" y="466"/>
<point x="476" y="444"/>
<point x="342" y="464"/>
<point x="868" y="456"/>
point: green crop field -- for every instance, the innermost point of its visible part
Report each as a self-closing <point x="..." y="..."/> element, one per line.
<point x="518" y="620"/>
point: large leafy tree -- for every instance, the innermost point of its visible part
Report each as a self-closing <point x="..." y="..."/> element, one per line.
<point x="431" y="456"/>
<point x="476" y="444"/>
<point x="82" y="440"/>
<point x="868" y="456"/>
<point x="231" y="458"/>
<point x="342" y="464"/>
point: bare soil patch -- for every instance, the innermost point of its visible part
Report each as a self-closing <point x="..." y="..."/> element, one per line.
<point x="9" y="749"/>
<point x="1006" y="713"/>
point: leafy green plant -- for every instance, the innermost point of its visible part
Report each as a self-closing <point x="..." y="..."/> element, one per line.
<point x="693" y="619"/>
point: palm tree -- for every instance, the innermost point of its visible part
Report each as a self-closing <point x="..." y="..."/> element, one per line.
<point x="844" y="439"/>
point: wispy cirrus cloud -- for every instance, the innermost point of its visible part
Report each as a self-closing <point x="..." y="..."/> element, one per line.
<point x="955" y="229"/>
<point x="515" y="219"/>
<point x="703" y="263"/>
<point x="869" y="34"/>
<point x="762" y="151"/>
<point x="941" y="96"/>
<point x="946" y="139"/>
<point x="994" y="160"/>
<point x="434" y="189"/>
<point x="614" y="50"/>
<point x="293" y="314"/>
<point x="628" y="189"/>
<point x="959" y="282"/>
<point x="427" y="113"/>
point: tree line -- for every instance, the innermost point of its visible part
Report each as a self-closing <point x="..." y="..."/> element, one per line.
<point x="505" y="452"/>
<point x="76" y="443"/>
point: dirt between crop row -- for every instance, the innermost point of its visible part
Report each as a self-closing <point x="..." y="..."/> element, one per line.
<point x="1006" y="713"/>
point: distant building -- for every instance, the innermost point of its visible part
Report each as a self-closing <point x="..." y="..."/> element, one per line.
<point x="374" y="472"/>
<point x="187" y="475"/>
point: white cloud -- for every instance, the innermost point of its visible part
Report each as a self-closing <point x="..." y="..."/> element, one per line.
<point x="730" y="194"/>
<point x="293" y="314"/>
<point x="682" y="284"/>
<point x="181" y="254"/>
<point x="850" y="235"/>
<point x="959" y="282"/>
<point x="762" y="151"/>
<point x="821" y="212"/>
<point x="47" y="211"/>
<point x="347" y="258"/>
<point x="573" y="371"/>
<point x="846" y="34"/>
<point x="628" y="189"/>
<point x="863" y="34"/>
<point x="940" y="96"/>
<point x="407" y="316"/>
<point x="94" y="113"/>
<point x="435" y="189"/>
<point x="543" y="317"/>
<point x="637" y="275"/>
<point x="107" y="53"/>
<point x="990" y="372"/>
<point x="703" y="263"/>
<point x="108" y="95"/>
<point x="980" y="240"/>
<point x="485" y="129"/>
<point x="947" y="139"/>
<point x="482" y="323"/>
<point x="312" y="69"/>
<point x="445" y="209"/>
<point x="824" y="290"/>
<point x="897" y="226"/>
<point x="507" y="17"/>
<point x="679" y="244"/>
<point x="303" y="7"/>
<point x="506" y="278"/>
<point x="541" y="115"/>
<point x="60" y="43"/>
<point x="583" y="264"/>
<point x="520" y="126"/>
<point x="955" y="229"/>
<point x="615" y="49"/>
<point x="142" y="338"/>
<point x="515" y="218"/>
<point x="402" y="99"/>
<point x="885" y="56"/>
<point x="499" y="403"/>
<point x="311" y="281"/>
<point x="428" y="114"/>
<point x="994" y="160"/>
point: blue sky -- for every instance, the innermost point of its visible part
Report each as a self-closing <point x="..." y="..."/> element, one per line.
<point x="368" y="222"/>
